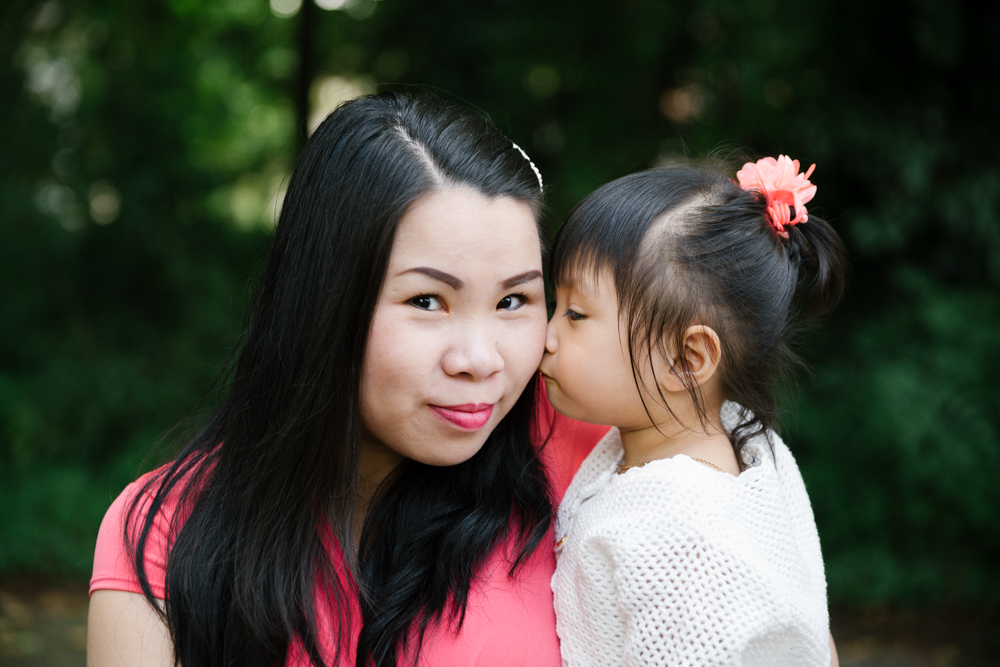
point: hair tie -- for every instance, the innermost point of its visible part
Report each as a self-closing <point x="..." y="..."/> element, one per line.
<point x="538" y="174"/>
<point x="784" y="187"/>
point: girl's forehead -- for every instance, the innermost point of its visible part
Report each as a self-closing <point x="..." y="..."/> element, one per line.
<point x="589" y="282"/>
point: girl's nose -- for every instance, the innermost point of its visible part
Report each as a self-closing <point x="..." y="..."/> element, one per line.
<point x="551" y="337"/>
<point x="476" y="355"/>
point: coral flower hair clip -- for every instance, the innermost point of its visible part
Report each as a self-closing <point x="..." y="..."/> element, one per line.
<point x="784" y="187"/>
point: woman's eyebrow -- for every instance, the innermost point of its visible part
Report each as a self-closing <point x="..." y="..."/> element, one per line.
<point x="436" y="274"/>
<point x="521" y="278"/>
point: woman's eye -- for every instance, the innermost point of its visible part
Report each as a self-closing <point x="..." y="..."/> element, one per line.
<point x="426" y="302"/>
<point x="574" y="316"/>
<point x="511" y="302"/>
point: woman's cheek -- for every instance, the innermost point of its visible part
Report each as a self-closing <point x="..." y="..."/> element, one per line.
<point x="532" y="342"/>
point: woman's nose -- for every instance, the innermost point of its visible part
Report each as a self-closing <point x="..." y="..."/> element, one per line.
<point x="476" y="354"/>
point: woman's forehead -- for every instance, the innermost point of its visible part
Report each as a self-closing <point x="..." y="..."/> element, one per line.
<point x="461" y="227"/>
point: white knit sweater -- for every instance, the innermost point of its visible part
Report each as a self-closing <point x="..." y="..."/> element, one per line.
<point x="678" y="564"/>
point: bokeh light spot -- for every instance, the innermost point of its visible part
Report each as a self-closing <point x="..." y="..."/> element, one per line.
<point x="280" y="62"/>
<point x="683" y="104"/>
<point x="329" y="92"/>
<point x="105" y="202"/>
<point x="48" y="17"/>
<point x="704" y="27"/>
<point x="391" y="64"/>
<point x="59" y="201"/>
<point x="65" y="163"/>
<point x="361" y="9"/>
<point x="54" y="82"/>
<point x="285" y="8"/>
<point x="550" y="138"/>
<point x="542" y="81"/>
<point x="778" y="93"/>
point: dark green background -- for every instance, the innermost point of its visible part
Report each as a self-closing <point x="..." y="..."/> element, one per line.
<point x="188" y="110"/>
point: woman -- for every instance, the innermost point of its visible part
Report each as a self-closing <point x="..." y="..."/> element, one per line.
<point x="369" y="490"/>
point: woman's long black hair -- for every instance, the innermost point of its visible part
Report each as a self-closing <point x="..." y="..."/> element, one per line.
<point x="267" y="488"/>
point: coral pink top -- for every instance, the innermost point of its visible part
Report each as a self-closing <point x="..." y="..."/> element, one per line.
<point x="508" y="621"/>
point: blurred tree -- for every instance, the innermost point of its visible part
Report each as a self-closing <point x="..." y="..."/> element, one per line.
<point x="140" y="144"/>
<point x="143" y="146"/>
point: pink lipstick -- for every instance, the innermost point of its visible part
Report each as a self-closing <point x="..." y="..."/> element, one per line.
<point x="470" y="417"/>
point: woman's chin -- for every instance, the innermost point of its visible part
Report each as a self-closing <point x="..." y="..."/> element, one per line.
<point x="451" y="447"/>
<point x="452" y="457"/>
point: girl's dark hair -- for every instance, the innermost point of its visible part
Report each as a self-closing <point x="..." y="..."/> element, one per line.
<point x="686" y="245"/>
<point x="267" y="488"/>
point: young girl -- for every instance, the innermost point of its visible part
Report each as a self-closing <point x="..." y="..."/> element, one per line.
<point x="686" y="537"/>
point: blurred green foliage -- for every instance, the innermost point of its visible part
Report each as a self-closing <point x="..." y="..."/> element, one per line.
<point x="142" y="146"/>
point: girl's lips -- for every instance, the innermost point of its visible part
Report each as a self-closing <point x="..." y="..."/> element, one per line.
<point x="470" y="416"/>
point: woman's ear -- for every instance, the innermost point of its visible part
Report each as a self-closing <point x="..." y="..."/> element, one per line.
<point x="701" y="353"/>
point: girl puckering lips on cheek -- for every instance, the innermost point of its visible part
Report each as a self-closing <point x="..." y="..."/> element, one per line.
<point x="687" y="538"/>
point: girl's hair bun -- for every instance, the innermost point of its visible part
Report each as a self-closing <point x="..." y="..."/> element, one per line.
<point x="821" y="259"/>
<point x="813" y="245"/>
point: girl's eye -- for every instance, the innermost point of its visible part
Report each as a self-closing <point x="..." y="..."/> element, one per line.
<point x="511" y="302"/>
<point x="574" y="316"/>
<point x="426" y="302"/>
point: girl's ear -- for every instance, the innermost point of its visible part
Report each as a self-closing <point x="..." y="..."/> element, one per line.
<point x="701" y="353"/>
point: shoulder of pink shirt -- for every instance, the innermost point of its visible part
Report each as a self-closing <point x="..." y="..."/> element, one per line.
<point x="112" y="563"/>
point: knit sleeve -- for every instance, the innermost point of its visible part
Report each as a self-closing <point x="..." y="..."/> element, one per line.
<point x="683" y="602"/>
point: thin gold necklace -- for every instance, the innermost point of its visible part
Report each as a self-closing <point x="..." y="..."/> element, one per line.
<point x="620" y="468"/>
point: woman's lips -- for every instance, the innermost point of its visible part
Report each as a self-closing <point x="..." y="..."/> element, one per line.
<point x="470" y="417"/>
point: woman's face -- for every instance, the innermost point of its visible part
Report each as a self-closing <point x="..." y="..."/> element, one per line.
<point x="458" y="330"/>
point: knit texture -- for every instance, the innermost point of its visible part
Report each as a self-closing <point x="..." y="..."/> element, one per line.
<point x="677" y="564"/>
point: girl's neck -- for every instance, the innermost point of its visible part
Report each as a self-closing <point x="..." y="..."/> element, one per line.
<point x="708" y="442"/>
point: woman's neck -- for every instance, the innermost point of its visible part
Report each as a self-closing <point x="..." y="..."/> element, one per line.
<point x="375" y="463"/>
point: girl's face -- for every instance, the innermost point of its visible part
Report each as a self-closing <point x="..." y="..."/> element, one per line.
<point x="586" y="367"/>
<point x="458" y="330"/>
